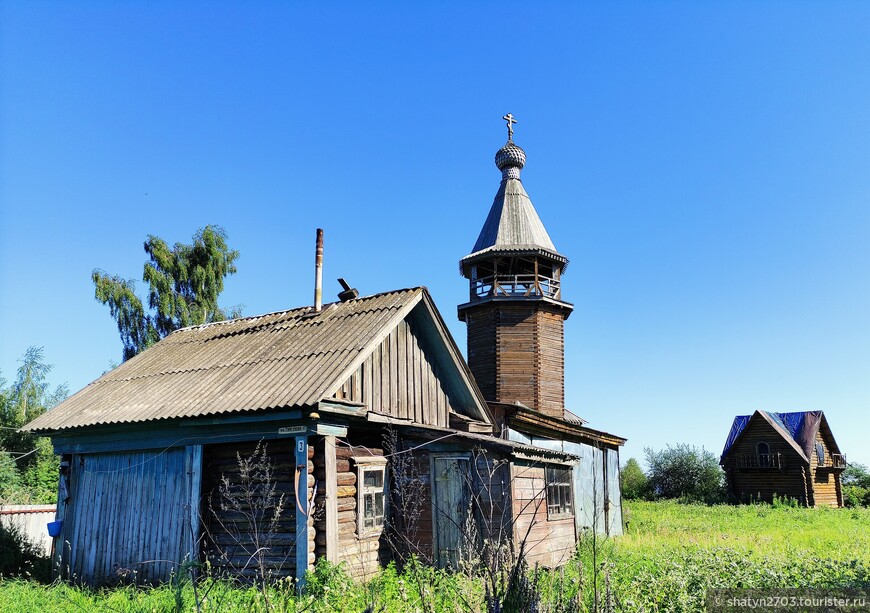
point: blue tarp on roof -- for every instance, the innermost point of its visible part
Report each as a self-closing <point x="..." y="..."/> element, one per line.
<point x="793" y="423"/>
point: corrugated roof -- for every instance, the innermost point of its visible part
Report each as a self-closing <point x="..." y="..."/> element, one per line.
<point x="513" y="224"/>
<point x="284" y="359"/>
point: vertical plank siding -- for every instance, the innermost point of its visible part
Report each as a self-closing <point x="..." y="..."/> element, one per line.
<point x="128" y="516"/>
<point x="551" y="362"/>
<point x="400" y="379"/>
<point x="482" y="350"/>
<point x="516" y="353"/>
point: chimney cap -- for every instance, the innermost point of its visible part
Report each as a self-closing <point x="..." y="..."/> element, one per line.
<point x="349" y="292"/>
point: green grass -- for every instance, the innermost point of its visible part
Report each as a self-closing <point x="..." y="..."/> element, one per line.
<point x="670" y="555"/>
<point x="756" y="530"/>
<point x="672" y="552"/>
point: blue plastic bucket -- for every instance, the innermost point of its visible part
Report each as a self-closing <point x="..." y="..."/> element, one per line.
<point x="54" y="528"/>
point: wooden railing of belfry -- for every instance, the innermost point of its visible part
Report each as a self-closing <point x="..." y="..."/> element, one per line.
<point x="528" y="285"/>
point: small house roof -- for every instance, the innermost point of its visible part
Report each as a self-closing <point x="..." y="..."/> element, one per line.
<point x="798" y="429"/>
<point x="278" y="360"/>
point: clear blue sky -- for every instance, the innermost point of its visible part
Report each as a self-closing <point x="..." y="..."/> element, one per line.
<point x="705" y="166"/>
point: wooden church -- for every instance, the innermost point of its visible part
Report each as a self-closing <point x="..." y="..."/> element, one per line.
<point x="379" y="438"/>
<point x="790" y="455"/>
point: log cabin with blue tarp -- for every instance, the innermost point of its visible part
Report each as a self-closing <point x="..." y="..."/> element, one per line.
<point x="340" y="396"/>
<point x="789" y="455"/>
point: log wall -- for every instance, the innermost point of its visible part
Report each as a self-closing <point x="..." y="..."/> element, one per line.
<point x="748" y="484"/>
<point x="229" y="536"/>
<point x="826" y="489"/>
<point x="399" y="379"/>
<point x="361" y="555"/>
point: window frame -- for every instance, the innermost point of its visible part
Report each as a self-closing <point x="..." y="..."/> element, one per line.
<point x="559" y="482"/>
<point x="766" y="455"/>
<point x="820" y="454"/>
<point x="363" y="465"/>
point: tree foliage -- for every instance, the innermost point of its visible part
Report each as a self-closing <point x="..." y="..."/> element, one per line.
<point x="685" y="472"/>
<point x="28" y="466"/>
<point x="856" y="485"/>
<point x="184" y="283"/>
<point x="633" y="482"/>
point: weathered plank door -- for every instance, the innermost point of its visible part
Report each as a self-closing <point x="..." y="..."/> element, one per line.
<point x="450" y="507"/>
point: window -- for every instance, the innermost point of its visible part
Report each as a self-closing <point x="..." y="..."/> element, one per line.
<point x="559" y="495"/>
<point x="762" y="449"/>
<point x="371" y="495"/>
<point x="820" y="454"/>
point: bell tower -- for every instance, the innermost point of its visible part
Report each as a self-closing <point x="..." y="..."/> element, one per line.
<point x="515" y="313"/>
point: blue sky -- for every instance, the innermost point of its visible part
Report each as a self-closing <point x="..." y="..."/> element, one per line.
<point x="703" y="165"/>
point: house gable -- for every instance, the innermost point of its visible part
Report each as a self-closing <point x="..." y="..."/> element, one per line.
<point x="415" y="374"/>
<point x="760" y="430"/>
<point x="773" y="430"/>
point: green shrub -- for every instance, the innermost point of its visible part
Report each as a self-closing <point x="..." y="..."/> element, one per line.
<point x="856" y="496"/>
<point x="686" y="473"/>
<point x="633" y="482"/>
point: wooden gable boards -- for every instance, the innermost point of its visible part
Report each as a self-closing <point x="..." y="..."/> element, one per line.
<point x="413" y="372"/>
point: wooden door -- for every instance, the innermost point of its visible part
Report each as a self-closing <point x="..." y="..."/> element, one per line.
<point x="450" y="507"/>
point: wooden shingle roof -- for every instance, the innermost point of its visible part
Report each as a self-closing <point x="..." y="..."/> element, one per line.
<point x="284" y="359"/>
<point x="513" y="226"/>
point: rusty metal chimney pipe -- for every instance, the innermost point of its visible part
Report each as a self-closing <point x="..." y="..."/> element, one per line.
<point x="318" y="272"/>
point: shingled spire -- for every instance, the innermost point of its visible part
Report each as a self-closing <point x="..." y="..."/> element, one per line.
<point x="515" y="314"/>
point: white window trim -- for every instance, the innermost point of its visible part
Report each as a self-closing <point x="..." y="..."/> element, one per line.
<point x="364" y="463"/>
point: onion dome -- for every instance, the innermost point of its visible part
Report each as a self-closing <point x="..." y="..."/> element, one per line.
<point x="510" y="159"/>
<point x="512" y="228"/>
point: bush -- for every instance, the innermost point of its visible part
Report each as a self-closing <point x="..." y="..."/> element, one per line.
<point x="856" y="496"/>
<point x="686" y="473"/>
<point x="21" y="558"/>
<point x="10" y="479"/>
<point x="633" y="481"/>
<point x="856" y="486"/>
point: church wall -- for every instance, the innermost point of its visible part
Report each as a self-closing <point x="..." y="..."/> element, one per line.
<point x="516" y="353"/>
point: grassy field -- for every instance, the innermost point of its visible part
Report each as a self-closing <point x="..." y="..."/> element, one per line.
<point x="672" y="553"/>
<point x="669" y="556"/>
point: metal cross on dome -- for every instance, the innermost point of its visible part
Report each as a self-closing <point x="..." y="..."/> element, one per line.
<point x="509" y="118"/>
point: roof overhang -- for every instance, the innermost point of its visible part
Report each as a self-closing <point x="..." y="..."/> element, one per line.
<point x="470" y="439"/>
<point x="525" y="419"/>
<point x="567" y="307"/>
<point x="517" y="251"/>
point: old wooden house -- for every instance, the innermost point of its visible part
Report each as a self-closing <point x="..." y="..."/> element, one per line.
<point x="790" y="455"/>
<point x="380" y="437"/>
